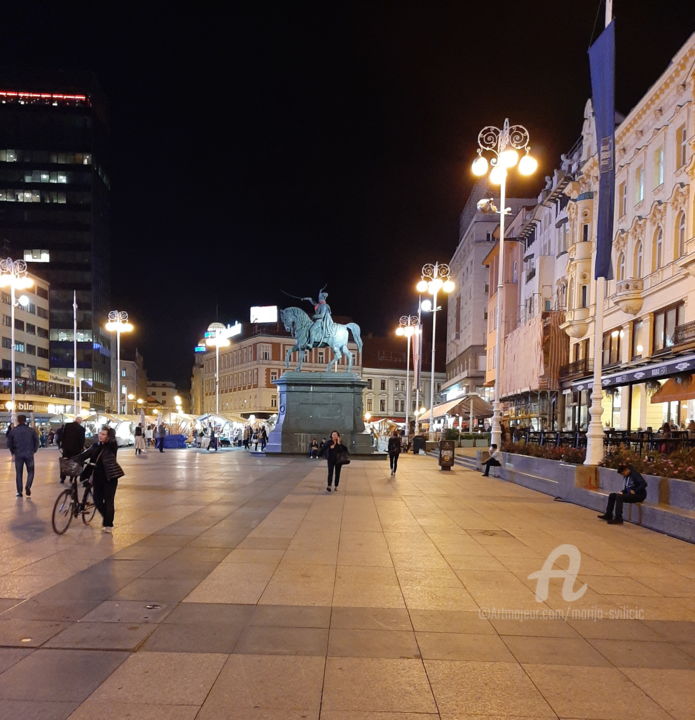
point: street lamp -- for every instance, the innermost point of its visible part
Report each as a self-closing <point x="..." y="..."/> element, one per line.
<point x="408" y="325"/>
<point x="435" y="279"/>
<point x="504" y="147"/>
<point x="217" y="336"/>
<point x="13" y="274"/>
<point x="118" y="323"/>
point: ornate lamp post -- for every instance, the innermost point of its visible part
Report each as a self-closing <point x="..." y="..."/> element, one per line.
<point x="13" y="274"/>
<point x="435" y="279"/>
<point x="118" y="323"/>
<point x="504" y="146"/>
<point x="217" y="336"/>
<point x="408" y="325"/>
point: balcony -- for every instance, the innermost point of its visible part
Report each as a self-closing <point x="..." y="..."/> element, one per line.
<point x="581" y="251"/>
<point x="576" y="322"/>
<point x="577" y="369"/>
<point x="629" y="295"/>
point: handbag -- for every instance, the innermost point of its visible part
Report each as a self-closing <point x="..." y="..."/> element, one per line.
<point x="342" y="457"/>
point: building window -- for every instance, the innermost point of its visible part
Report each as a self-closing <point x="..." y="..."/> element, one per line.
<point x="585" y="296"/>
<point x="42" y="312"/>
<point x="264" y="351"/>
<point x="665" y="323"/>
<point x="369" y="383"/>
<point x="639" y="184"/>
<point x="370" y="404"/>
<point x="273" y="375"/>
<point x="382" y="405"/>
<point x="680" y="235"/>
<point x="611" y="347"/>
<point x="658" y="257"/>
<point x="7" y="343"/>
<point x="42" y="352"/>
<point x="639" y="333"/>
<point x="659" y="167"/>
<point x="273" y="401"/>
<point x="622" y="199"/>
<point x="19" y="347"/>
<point x="31" y="349"/>
<point x="681" y="147"/>
<point x="585" y="232"/>
<point x="383" y="384"/>
<point x="639" y="262"/>
<point x="621" y="266"/>
<point x="42" y="256"/>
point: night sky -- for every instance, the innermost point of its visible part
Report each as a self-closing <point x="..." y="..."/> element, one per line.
<point x="290" y="145"/>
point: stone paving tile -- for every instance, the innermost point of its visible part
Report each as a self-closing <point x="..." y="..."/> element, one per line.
<point x="101" y="636"/>
<point x="162" y="679"/>
<point x="41" y="608"/>
<point x="535" y="628"/>
<point x="92" y="709"/>
<point x="361" y="618"/>
<point x="341" y="715"/>
<point x="266" y="683"/>
<point x="7" y="603"/>
<point x="128" y="611"/>
<point x="672" y="631"/>
<point x="202" y="613"/>
<point x="463" y="646"/>
<point x="616" y="630"/>
<point x="291" y="616"/>
<point x="633" y="653"/>
<point x="10" y="656"/>
<point x="554" y="651"/>
<point x="372" y="643"/>
<point x="674" y="690"/>
<point x="27" y="633"/>
<point x="156" y="590"/>
<point x="58" y="675"/>
<point x="210" y="637"/>
<point x="257" y="640"/>
<point x="450" y="621"/>
<point x="485" y="688"/>
<point x="593" y="692"/>
<point x="28" y="710"/>
<point x="377" y="685"/>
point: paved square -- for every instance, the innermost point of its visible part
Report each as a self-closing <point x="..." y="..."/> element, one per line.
<point x="234" y="586"/>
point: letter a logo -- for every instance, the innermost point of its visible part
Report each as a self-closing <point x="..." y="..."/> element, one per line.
<point x="548" y="571"/>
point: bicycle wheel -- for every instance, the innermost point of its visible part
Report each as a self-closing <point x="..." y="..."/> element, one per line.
<point x="63" y="511"/>
<point x="88" y="506"/>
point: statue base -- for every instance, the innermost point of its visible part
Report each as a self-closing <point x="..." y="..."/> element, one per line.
<point x="311" y="405"/>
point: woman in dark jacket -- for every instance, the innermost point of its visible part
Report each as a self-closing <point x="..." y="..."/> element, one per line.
<point x="394" y="451"/>
<point x="104" y="471"/>
<point x="334" y="451"/>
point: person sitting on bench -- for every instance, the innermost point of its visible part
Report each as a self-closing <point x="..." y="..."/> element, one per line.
<point x="492" y="460"/>
<point x="635" y="491"/>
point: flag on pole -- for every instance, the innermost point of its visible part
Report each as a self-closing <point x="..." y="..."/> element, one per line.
<point x="602" y="68"/>
<point x="415" y="342"/>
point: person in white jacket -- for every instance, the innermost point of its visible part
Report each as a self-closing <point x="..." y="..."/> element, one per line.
<point x="492" y="460"/>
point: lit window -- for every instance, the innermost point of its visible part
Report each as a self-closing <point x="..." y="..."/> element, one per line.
<point x="621" y="266"/>
<point x="37" y="256"/>
<point x="639" y="184"/>
<point x="658" y="249"/>
<point x="659" y="167"/>
<point x="680" y="235"/>
<point x="681" y="147"/>
<point x="639" y="264"/>
<point x="622" y="199"/>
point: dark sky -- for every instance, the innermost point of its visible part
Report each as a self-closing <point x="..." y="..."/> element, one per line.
<point x="289" y="145"/>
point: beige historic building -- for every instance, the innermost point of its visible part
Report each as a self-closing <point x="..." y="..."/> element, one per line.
<point x="648" y="347"/>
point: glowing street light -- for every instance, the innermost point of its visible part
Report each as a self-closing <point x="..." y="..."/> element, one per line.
<point x="118" y="323"/>
<point x="435" y="279"/>
<point x="13" y="274"/>
<point x="504" y="146"/>
<point x="217" y="336"/>
<point x="408" y="325"/>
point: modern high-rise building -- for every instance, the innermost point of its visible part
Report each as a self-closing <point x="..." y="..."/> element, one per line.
<point x="54" y="208"/>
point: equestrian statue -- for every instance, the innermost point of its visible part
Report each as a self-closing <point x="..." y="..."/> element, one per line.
<point x="318" y="331"/>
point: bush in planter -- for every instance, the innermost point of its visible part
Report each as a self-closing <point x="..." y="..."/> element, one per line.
<point x="451" y="434"/>
<point x="679" y="464"/>
<point x="548" y="452"/>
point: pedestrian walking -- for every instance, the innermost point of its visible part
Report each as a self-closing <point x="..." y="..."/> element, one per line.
<point x="139" y="439"/>
<point x="394" y="448"/>
<point x="104" y="471"/>
<point x="314" y="450"/>
<point x="337" y="455"/>
<point x="264" y="437"/>
<point x="213" y="440"/>
<point x="160" y="434"/>
<point x="149" y="436"/>
<point x="23" y="442"/>
<point x="635" y="491"/>
<point x="71" y="441"/>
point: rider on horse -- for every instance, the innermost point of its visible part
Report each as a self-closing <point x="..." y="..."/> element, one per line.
<point x="322" y="326"/>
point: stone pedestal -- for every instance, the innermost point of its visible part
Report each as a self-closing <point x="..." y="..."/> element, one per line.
<point x="311" y="405"/>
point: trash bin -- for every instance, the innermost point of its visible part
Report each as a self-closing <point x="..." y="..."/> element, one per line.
<point x="446" y="454"/>
<point x="418" y="444"/>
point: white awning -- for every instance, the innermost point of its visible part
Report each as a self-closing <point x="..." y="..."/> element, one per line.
<point x="462" y="406"/>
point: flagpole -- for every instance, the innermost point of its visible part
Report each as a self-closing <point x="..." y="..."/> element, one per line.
<point x="74" y="350"/>
<point x="594" y="432"/>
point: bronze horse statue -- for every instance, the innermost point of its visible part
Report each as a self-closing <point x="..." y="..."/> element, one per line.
<point x="299" y="325"/>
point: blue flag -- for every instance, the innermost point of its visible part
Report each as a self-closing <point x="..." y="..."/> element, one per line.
<point x="602" y="66"/>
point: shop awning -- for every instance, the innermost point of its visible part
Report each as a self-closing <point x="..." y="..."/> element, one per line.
<point x="671" y="391"/>
<point x="462" y="406"/>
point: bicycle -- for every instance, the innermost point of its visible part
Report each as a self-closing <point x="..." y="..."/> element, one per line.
<point x="68" y="504"/>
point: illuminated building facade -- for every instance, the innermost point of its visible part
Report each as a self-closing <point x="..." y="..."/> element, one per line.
<point x="54" y="209"/>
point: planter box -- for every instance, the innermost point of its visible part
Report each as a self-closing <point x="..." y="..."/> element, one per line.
<point x="467" y="443"/>
<point x="668" y="508"/>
